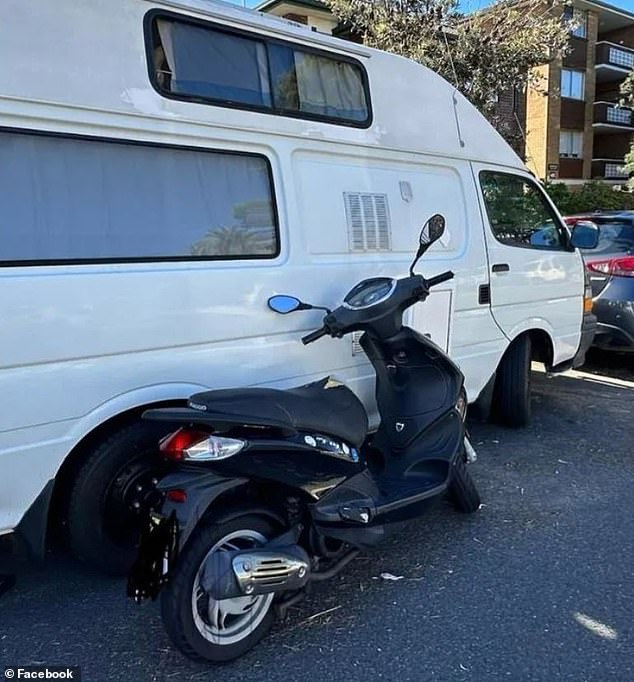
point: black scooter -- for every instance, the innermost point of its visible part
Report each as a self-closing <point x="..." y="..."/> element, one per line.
<point x="277" y="489"/>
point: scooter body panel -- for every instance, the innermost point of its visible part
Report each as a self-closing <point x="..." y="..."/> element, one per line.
<point x="416" y="384"/>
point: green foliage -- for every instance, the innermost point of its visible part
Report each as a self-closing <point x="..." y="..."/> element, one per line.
<point x="492" y="52"/>
<point x="591" y="196"/>
<point x="627" y="100"/>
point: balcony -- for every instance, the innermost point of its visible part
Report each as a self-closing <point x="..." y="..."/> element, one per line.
<point x="613" y="62"/>
<point x="608" y="169"/>
<point x="610" y="118"/>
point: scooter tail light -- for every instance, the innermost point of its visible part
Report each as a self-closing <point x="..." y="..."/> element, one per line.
<point x="213" y="448"/>
<point x="175" y="445"/>
<point x="619" y="267"/>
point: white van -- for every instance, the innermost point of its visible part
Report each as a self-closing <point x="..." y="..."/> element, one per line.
<point x="165" y="167"/>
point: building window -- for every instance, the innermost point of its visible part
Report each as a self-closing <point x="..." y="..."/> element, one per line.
<point x="571" y="144"/>
<point x="198" y="62"/>
<point x="519" y="213"/>
<point x="69" y="199"/>
<point x="573" y="84"/>
<point x="579" y="21"/>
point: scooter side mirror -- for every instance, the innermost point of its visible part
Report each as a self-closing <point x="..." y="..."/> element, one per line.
<point x="284" y="304"/>
<point x="431" y="232"/>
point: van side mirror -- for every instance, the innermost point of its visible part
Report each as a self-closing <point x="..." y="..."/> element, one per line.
<point x="430" y="232"/>
<point x="585" y="235"/>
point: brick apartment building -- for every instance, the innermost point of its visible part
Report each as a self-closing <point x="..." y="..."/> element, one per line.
<point x="568" y="126"/>
<point x="578" y="132"/>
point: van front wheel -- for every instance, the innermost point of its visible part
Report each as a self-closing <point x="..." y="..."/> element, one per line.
<point x="512" y="393"/>
<point x="112" y="490"/>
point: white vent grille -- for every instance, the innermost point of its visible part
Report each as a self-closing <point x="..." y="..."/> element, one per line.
<point x="368" y="219"/>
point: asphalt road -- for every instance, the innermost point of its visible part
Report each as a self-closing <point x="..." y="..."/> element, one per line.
<point x="539" y="585"/>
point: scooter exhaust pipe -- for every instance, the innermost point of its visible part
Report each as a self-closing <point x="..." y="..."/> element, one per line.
<point x="227" y="575"/>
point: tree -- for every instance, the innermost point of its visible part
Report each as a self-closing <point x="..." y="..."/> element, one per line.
<point x="627" y="100"/>
<point x="484" y="54"/>
<point x="591" y="196"/>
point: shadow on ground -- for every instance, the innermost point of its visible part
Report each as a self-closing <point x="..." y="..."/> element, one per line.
<point x="536" y="586"/>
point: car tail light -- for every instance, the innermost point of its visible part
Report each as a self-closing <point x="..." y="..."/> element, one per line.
<point x="186" y="445"/>
<point x="618" y="267"/>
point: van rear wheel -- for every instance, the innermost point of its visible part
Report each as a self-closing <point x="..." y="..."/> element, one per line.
<point x="512" y="393"/>
<point x="112" y="491"/>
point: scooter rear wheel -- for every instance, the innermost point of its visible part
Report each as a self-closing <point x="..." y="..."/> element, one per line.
<point x="463" y="493"/>
<point x="205" y="629"/>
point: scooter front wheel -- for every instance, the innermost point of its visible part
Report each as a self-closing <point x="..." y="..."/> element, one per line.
<point x="462" y="492"/>
<point x="205" y="629"/>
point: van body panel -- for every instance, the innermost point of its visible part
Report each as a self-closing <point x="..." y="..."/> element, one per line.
<point x="83" y="342"/>
<point x="75" y="48"/>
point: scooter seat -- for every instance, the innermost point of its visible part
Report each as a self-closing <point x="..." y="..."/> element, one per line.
<point x="322" y="406"/>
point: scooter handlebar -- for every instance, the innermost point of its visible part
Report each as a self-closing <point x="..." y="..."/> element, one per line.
<point x="313" y="336"/>
<point x="439" y="279"/>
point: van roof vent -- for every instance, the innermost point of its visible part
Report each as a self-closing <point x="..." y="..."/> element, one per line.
<point x="368" y="218"/>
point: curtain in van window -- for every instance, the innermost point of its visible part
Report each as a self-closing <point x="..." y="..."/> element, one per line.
<point x="68" y="199"/>
<point x="329" y="87"/>
<point x="216" y="65"/>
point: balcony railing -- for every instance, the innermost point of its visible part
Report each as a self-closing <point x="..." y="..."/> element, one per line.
<point x="609" y="169"/>
<point x="613" y="61"/>
<point x="610" y="114"/>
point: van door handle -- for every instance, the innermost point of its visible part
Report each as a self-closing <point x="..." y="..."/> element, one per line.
<point x="501" y="267"/>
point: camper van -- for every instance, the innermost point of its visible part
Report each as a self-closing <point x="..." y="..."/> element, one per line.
<point x="165" y="168"/>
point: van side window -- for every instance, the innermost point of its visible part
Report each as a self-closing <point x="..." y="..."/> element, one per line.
<point x="313" y="84"/>
<point x="201" y="62"/>
<point x="519" y="213"/>
<point x="68" y="199"/>
<point x="195" y="61"/>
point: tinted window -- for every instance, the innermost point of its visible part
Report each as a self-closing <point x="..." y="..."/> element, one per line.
<point x="313" y="84"/>
<point x="615" y="236"/>
<point x="201" y="62"/>
<point x="70" y="199"/>
<point x="194" y="61"/>
<point x="519" y="213"/>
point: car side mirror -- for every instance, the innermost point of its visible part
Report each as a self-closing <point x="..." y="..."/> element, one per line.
<point x="584" y="235"/>
<point x="430" y="232"/>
